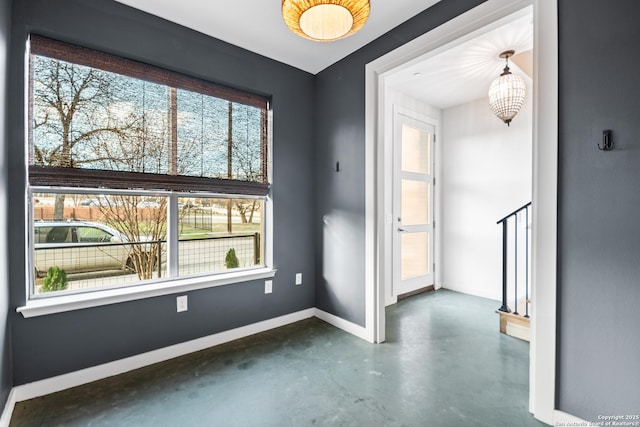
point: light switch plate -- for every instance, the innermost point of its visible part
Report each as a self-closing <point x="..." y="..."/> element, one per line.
<point x="299" y="279"/>
<point x="268" y="286"/>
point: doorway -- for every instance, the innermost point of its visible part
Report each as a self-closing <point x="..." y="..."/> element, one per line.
<point x="484" y="167"/>
<point x="545" y="176"/>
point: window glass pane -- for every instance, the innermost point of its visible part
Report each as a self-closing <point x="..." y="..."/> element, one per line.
<point x="97" y="240"/>
<point x="414" y="255"/>
<point x="108" y="125"/>
<point x="219" y="234"/>
<point x="93" y="119"/>
<point x="87" y="118"/>
<point x="246" y="146"/>
<point x="415" y="149"/>
<point x="415" y="202"/>
<point x="204" y="147"/>
<point x="203" y="133"/>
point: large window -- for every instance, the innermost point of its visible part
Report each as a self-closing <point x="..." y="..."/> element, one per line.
<point x="139" y="174"/>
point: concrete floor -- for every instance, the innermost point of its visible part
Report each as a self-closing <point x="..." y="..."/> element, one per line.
<point x="444" y="364"/>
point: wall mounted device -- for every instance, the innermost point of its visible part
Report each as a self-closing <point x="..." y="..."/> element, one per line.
<point x="607" y="141"/>
<point x="181" y="303"/>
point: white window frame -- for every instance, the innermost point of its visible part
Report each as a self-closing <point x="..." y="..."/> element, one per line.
<point x="96" y="297"/>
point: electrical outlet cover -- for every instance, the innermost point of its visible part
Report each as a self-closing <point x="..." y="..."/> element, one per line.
<point x="268" y="286"/>
<point x="299" y="279"/>
<point x="181" y="303"/>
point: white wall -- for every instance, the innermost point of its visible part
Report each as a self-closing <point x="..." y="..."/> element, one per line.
<point x="485" y="175"/>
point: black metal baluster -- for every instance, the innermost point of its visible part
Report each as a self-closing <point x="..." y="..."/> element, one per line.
<point x="515" y="264"/>
<point x="526" y="289"/>
<point x="504" y="267"/>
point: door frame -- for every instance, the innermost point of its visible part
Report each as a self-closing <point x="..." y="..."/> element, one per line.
<point x="542" y="377"/>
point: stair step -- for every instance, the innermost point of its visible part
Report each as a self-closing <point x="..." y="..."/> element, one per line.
<point x="522" y="306"/>
<point x="514" y="325"/>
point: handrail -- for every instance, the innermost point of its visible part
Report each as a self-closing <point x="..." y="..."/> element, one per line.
<point x="514" y="212"/>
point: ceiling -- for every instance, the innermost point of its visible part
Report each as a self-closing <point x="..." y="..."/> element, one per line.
<point x="257" y="25"/>
<point x="464" y="72"/>
<point x="460" y="73"/>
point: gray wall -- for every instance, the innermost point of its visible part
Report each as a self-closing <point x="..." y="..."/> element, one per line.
<point x="599" y="290"/>
<point x="5" y="344"/>
<point x="340" y="218"/>
<point x="599" y="197"/>
<point x="56" y="344"/>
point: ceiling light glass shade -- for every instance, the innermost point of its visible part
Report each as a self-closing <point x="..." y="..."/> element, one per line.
<point x="506" y="96"/>
<point x="325" y="20"/>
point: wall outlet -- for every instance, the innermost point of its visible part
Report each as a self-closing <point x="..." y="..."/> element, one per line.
<point x="181" y="303"/>
<point x="299" y="279"/>
<point x="268" y="286"/>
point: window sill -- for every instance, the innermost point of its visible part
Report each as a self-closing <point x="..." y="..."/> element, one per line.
<point x="45" y="306"/>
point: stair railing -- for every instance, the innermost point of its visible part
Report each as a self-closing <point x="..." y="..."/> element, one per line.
<point x="513" y="218"/>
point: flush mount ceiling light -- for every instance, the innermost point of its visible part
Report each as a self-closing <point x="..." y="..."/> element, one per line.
<point x="506" y="93"/>
<point x="325" y="20"/>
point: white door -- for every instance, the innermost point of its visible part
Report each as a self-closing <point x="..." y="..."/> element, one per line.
<point x="413" y="187"/>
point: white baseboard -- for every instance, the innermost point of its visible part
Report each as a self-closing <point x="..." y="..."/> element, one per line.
<point x="562" y="419"/>
<point x="84" y="376"/>
<point x="5" y="419"/>
<point x="345" y="325"/>
<point x="95" y="373"/>
<point x="390" y="300"/>
<point x="478" y="292"/>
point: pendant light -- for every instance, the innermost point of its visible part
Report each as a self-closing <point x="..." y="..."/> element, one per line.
<point x="506" y="93"/>
<point x="325" y="20"/>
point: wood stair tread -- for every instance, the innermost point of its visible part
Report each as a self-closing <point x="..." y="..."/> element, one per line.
<point x="515" y="325"/>
<point x="515" y="316"/>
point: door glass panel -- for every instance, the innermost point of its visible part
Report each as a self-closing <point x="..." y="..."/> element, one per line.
<point x="415" y="150"/>
<point x="414" y="255"/>
<point x="415" y="202"/>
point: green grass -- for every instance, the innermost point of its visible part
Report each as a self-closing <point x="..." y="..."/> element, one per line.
<point x="188" y="232"/>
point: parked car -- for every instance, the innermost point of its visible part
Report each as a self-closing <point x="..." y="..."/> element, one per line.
<point x="89" y="202"/>
<point x="188" y="205"/>
<point x="96" y="201"/>
<point x="81" y="247"/>
<point x="148" y="204"/>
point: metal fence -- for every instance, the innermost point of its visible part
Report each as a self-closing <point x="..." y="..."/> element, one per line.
<point x="197" y="218"/>
<point x="209" y="254"/>
<point x="107" y="264"/>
